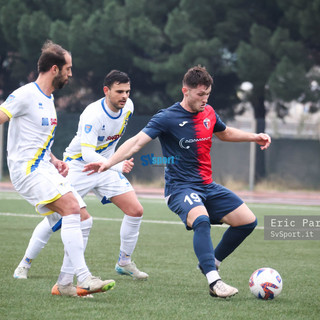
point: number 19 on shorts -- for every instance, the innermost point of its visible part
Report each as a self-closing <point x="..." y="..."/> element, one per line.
<point x="194" y="197"/>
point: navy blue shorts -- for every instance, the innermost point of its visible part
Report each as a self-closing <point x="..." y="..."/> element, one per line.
<point x="218" y="200"/>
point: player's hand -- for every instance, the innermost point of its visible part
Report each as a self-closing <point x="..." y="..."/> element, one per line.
<point x="94" y="167"/>
<point x="263" y="140"/>
<point x="127" y="165"/>
<point x="62" y="167"/>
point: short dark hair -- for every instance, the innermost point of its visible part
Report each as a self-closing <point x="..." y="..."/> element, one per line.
<point x="51" y="54"/>
<point x="115" y="76"/>
<point x="197" y="76"/>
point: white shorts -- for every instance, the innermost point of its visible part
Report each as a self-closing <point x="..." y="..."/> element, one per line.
<point x="43" y="186"/>
<point x="105" y="185"/>
<point x="54" y="221"/>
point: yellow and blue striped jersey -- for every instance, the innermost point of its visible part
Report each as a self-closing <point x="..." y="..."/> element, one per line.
<point x="99" y="128"/>
<point x="33" y="121"/>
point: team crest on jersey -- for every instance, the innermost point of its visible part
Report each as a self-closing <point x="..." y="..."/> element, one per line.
<point x="207" y="123"/>
<point x="10" y="98"/>
<point x="100" y="138"/>
<point x="45" y="121"/>
<point x="87" y="128"/>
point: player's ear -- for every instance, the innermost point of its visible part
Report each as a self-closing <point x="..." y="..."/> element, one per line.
<point x="55" y="69"/>
<point x="106" y="90"/>
<point x="184" y="90"/>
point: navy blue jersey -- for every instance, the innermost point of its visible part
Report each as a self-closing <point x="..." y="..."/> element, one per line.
<point x="187" y="138"/>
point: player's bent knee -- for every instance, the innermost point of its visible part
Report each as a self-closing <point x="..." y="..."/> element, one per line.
<point x="139" y="212"/>
<point x="199" y="220"/>
<point x="240" y="216"/>
<point x="136" y="211"/>
<point x="71" y="208"/>
<point x="74" y="208"/>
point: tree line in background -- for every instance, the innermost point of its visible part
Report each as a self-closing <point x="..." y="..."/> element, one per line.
<point x="273" y="44"/>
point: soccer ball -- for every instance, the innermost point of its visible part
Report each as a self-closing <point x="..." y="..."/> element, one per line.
<point x="265" y="283"/>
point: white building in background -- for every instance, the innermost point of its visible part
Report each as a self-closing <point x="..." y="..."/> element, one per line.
<point x="298" y="123"/>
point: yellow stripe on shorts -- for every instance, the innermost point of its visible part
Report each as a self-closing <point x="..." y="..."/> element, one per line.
<point x="47" y="202"/>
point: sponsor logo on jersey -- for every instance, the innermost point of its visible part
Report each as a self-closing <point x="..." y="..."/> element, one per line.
<point x="115" y="137"/>
<point x="103" y="127"/>
<point x="183" y="123"/>
<point x="53" y="121"/>
<point x="183" y="143"/>
<point x="87" y="128"/>
<point x="45" y="121"/>
<point x="40" y="105"/>
<point x="207" y="123"/>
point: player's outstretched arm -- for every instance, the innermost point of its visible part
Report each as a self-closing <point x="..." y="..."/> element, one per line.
<point x="237" y="135"/>
<point x="125" y="151"/>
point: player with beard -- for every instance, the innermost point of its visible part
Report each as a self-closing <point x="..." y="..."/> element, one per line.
<point x="185" y="131"/>
<point x="100" y="128"/>
<point x="35" y="172"/>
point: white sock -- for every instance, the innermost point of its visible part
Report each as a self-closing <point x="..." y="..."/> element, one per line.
<point x="212" y="276"/>
<point x="129" y="233"/>
<point x="86" y="226"/>
<point x="217" y="262"/>
<point x="38" y="240"/>
<point x="72" y="239"/>
<point x="124" y="259"/>
<point x="67" y="271"/>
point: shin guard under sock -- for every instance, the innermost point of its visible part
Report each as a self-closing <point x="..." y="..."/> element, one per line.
<point x="202" y="243"/>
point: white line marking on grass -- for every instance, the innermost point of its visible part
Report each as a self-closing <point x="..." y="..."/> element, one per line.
<point x="10" y="214"/>
<point x="283" y="207"/>
<point x="111" y="219"/>
<point x="15" y="196"/>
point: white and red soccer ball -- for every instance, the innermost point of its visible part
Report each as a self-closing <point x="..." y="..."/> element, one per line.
<point x="265" y="283"/>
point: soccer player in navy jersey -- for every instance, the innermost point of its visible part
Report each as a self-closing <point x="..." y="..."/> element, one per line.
<point x="185" y="131"/>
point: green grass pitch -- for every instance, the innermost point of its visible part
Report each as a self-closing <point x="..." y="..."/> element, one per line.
<point x="175" y="288"/>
